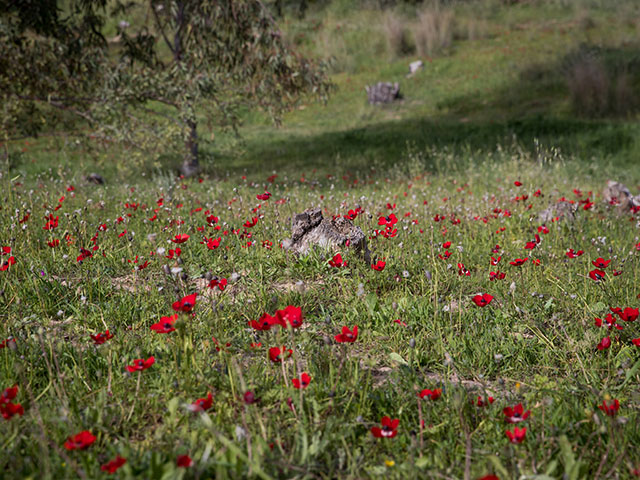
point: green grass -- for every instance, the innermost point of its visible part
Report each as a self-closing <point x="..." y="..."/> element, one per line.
<point x="485" y="113"/>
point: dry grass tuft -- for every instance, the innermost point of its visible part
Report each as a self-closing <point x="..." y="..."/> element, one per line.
<point x="433" y="31"/>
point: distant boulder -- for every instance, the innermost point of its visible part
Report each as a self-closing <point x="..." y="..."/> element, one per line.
<point x="383" y="92"/>
<point x="617" y="194"/>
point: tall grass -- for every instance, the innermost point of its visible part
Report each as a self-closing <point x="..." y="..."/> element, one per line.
<point x="433" y="30"/>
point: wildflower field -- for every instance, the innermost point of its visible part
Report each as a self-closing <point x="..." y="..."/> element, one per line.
<point x="153" y="327"/>
<point x="158" y="329"/>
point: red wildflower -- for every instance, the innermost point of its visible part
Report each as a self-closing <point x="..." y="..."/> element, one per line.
<point x="265" y="322"/>
<point x="51" y="222"/>
<point x="184" y="461"/>
<point x="609" y="321"/>
<point x="165" y="325"/>
<point x="101" y="338"/>
<point x="250" y="398"/>
<point x="290" y="315"/>
<point x="8" y="394"/>
<point x="8" y="410"/>
<point x="202" y="404"/>
<point x="446" y="245"/>
<point x="482" y="300"/>
<point x="601" y="263"/>
<point x="489" y="477"/>
<point x="277" y="354"/>
<point x="5" y="250"/>
<point x="84" y="254"/>
<point x="496" y="275"/>
<point x="211" y="243"/>
<point x="543" y="229"/>
<point x="604" y="343"/>
<point x="636" y="342"/>
<point x="347" y="336"/>
<point x="174" y="253"/>
<point x="185" y="304"/>
<point x="481" y="402"/>
<point x="628" y="314"/>
<point x="251" y="223"/>
<point x="80" y="441"/>
<point x="7" y="263"/>
<point x="113" y="465"/>
<point x="597" y="275"/>
<point x="220" y="283"/>
<point x="389" y="428"/>
<point x="302" y="382"/>
<point x="610" y="409"/>
<point x="141" y="364"/>
<point x="571" y="254"/>
<point x="517" y="436"/>
<point x="264" y="196"/>
<point x="462" y="270"/>
<point x="379" y="266"/>
<point x="495" y="261"/>
<point x="517" y="183"/>
<point x="519" y="261"/>
<point x="434" y="394"/>
<point x="337" y="261"/>
<point x="54" y="243"/>
<point x="516" y="414"/>
<point x="389" y="221"/>
<point x="180" y="238"/>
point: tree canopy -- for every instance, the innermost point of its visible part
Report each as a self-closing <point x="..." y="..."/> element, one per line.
<point x="146" y="72"/>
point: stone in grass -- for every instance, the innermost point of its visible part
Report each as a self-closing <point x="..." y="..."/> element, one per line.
<point x="95" y="178"/>
<point x="560" y="210"/>
<point x="309" y="229"/>
<point x="383" y="92"/>
<point x="616" y="193"/>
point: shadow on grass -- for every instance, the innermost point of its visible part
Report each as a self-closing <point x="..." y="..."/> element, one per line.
<point x="385" y="144"/>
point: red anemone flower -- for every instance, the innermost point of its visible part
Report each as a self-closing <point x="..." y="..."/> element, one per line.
<point x="277" y="354"/>
<point x="347" y="336"/>
<point x="597" y="275"/>
<point x="141" y="364"/>
<point x="80" y="441"/>
<point x="629" y="314"/>
<point x="495" y="261"/>
<point x="604" y="343"/>
<point x="389" y="221"/>
<point x="610" y="409"/>
<point x="434" y="394"/>
<point x="251" y="223"/>
<point x="265" y="322"/>
<point x="250" y="398"/>
<point x="8" y="410"/>
<point x="165" y="325"/>
<point x="220" y="283"/>
<point x="174" y="253"/>
<point x="212" y="243"/>
<point x="54" y="243"/>
<point x="519" y="261"/>
<point x="185" y="304"/>
<point x="489" y="477"/>
<point x="517" y="436"/>
<point x="113" y="465"/>
<point x="571" y="254"/>
<point x="7" y="263"/>
<point x="184" y="461"/>
<point x="101" y="338"/>
<point x="389" y="428"/>
<point x="180" y="238"/>
<point x="8" y="394"/>
<point x="481" y="402"/>
<point x="202" y="404"/>
<point x="497" y="275"/>
<point x="290" y="315"/>
<point x="379" y="266"/>
<point x="264" y="196"/>
<point x="516" y="414"/>
<point x="337" y="261"/>
<point x="482" y="300"/>
<point x="601" y="263"/>
<point x="302" y="382"/>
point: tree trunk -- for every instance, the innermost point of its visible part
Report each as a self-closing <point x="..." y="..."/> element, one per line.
<point x="191" y="164"/>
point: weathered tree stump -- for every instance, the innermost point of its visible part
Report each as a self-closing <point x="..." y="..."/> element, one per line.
<point x="383" y="92"/>
<point x="309" y="229"/>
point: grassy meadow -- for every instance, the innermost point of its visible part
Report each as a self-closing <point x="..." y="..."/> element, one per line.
<point x="479" y="320"/>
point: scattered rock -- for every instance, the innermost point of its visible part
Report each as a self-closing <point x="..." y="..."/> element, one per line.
<point x="383" y="92"/>
<point x="562" y="210"/>
<point x="309" y="228"/>
<point x="415" y="67"/>
<point x="95" y="178"/>
<point x="616" y="193"/>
